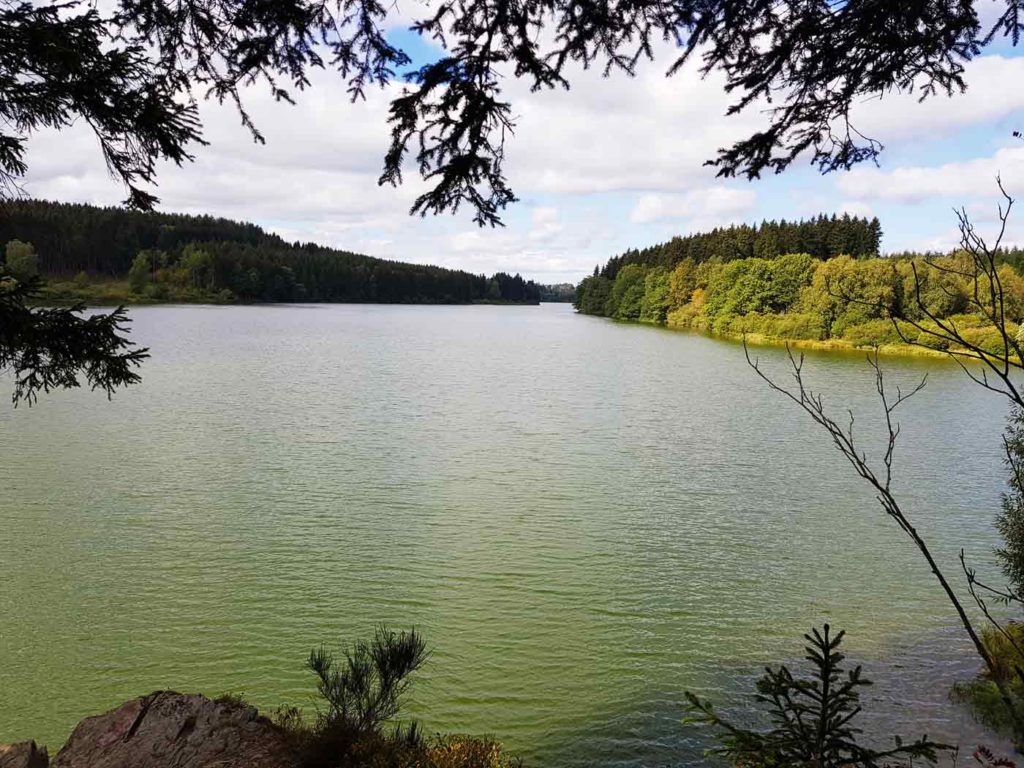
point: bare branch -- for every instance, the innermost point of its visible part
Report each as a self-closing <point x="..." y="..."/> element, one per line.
<point x="812" y="404"/>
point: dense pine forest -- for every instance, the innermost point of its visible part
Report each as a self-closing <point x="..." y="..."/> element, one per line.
<point x="822" y="238"/>
<point x="164" y="256"/>
<point x="821" y="280"/>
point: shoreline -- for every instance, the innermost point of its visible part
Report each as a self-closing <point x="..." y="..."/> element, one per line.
<point x="109" y="301"/>
<point x="816" y="345"/>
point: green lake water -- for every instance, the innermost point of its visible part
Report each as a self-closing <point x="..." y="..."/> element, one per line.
<point x="585" y="518"/>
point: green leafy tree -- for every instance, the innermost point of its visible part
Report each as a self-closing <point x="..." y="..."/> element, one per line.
<point x="21" y="260"/>
<point x="627" y="293"/>
<point x="812" y="719"/>
<point x="655" y="303"/>
<point x="682" y="283"/>
<point x="493" y="290"/>
<point x="790" y="274"/>
<point x="139" y="272"/>
<point x="847" y="292"/>
<point x="592" y="295"/>
<point x="197" y="265"/>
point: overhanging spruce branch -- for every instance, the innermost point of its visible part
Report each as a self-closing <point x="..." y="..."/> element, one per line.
<point x="51" y="348"/>
<point x="135" y="73"/>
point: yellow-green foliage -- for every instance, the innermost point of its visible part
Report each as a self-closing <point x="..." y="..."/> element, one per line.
<point x="847" y="292"/>
<point x="789" y="325"/>
<point x="872" y="333"/>
<point x="1003" y="648"/>
<point x="842" y="301"/>
<point x="988" y="339"/>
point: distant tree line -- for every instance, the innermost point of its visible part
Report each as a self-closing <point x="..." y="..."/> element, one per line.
<point x="822" y="237"/>
<point x="201" y="257"/>
<point x="559" y="292"/>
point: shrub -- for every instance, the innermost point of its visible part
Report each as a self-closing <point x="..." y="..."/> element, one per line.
<point x="983" y="700"/>
<point x="789" y="325"/>
<point x="458" y="751"/>
<point x="926" y="339"/>
<point x="22" y="261"/>
<point x="1003" y="649"/>
<point x="726" y="323"/>
<point x="683" y="317"/>
<point x="363" y="692"/>
<point x="156" y="291"/>
<point x="872" y="333"/>
<point x="988" y="338"/>
<point x="981" y="694"/>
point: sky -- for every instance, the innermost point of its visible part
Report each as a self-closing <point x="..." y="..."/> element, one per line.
<point x="612" y="164"/>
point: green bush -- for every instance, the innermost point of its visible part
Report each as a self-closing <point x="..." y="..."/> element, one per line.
<point x="789" y="325"/>
<point x="683" y="317"/>
<point x="987" y="338"/>
<point x="1002" y="648"/>
<point x="22" y="263"/>
<point x="363" y="692"/>
<point x="981" y="695"/>
<point x="727" y="323"/>
<point x="156" y="292"/>
<point x="801" y="325"/>
<point x="926" y="339"/>
<point x="872" y="333"/>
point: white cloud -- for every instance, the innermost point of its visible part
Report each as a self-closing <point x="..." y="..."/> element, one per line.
<point x="958" y="181"/>
<point x="856" y="208"/>
<point x="903" y="117"/>
<point x="720" y="205"/>
<point x="546" y="224"/>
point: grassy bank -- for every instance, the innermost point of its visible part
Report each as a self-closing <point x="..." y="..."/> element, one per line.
<point x="821" y="345"/>
<point x="113" y="292"/>
<point x="106" y="292"/>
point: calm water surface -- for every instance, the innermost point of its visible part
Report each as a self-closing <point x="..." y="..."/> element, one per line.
<point x="585" y="518"/>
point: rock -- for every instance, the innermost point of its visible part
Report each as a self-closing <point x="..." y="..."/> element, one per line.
<point x="174" y="730"/>
<point x="24" y="754"/>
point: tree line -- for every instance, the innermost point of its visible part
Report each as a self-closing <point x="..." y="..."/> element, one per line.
<point x="799" y="296"/>
<point x="822" y="237"/>
<point x="206" y="258"/>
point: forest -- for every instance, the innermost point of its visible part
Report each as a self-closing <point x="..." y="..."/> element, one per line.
<point x="84" y="251"/>
<point x="759" y="281"/>
<point x="822" y="237"/>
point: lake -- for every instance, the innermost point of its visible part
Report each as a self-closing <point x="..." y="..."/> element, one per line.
<point x="585" y="518"/>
